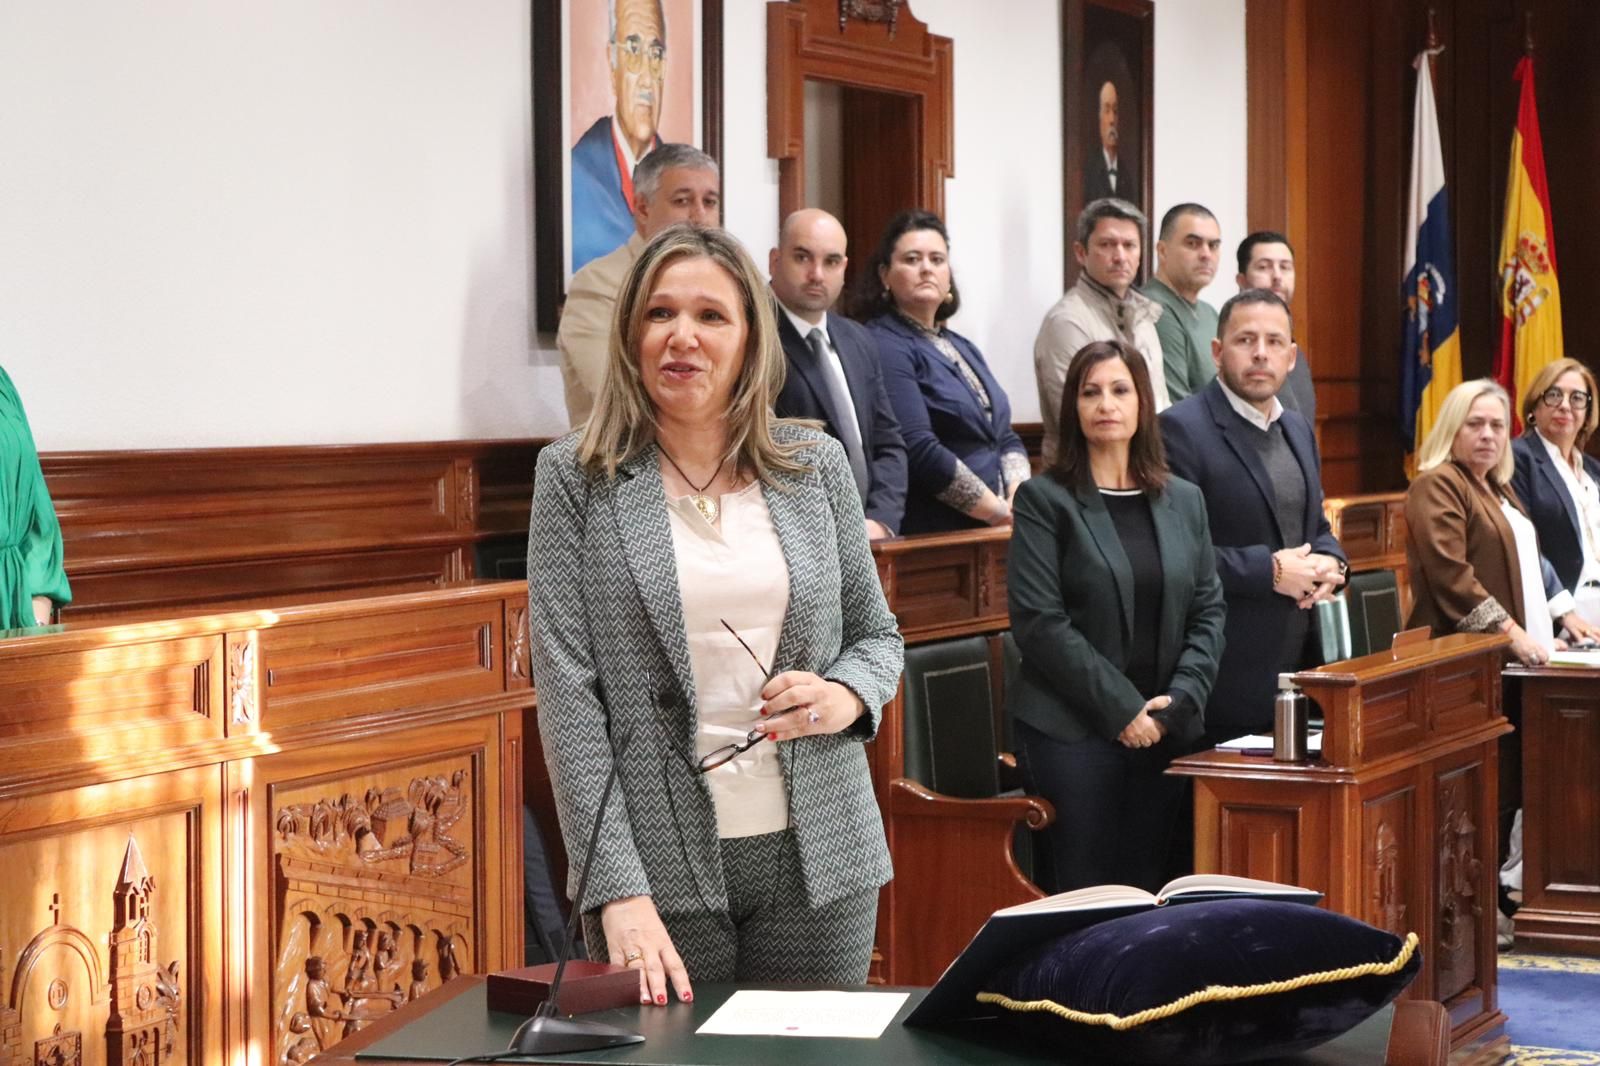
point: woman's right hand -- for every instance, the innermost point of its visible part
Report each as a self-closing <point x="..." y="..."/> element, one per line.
<point x="635" y="937"/>
<point x="1528" y="651"/>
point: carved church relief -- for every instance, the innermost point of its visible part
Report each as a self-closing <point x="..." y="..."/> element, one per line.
<point x="62" y="990"/>
<point x="1386" y="891"/>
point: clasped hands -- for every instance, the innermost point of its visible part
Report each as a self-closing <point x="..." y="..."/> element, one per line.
<point x="1144" y="731"/>
<point x="1305" y="576"/>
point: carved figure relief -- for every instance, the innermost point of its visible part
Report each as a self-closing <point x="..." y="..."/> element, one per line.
<point x="373" y="895"/>
<point x="303" y="1045"/>
<point x="1390" y="912"/>
<point x="1459" y="873"/>
<point x="419" y="979"/>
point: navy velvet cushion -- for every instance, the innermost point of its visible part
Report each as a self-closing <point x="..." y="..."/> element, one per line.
<point x="1222" y="981"/>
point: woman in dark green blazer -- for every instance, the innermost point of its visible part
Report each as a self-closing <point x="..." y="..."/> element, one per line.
<point x="1118" y="611"/>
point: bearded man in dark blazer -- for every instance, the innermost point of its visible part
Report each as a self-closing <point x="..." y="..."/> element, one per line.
<point x="834" y="375"/>
<point x="1258" y="467"/>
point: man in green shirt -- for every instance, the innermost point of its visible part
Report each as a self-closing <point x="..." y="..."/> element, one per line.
<point x="1187" y="253"/>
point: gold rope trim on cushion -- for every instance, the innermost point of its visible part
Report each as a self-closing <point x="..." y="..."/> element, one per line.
<point x="1210" y="994"/>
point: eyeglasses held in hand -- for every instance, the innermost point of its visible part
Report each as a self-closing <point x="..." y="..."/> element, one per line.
<point x="1553" y="396"/>
<point x="728" y="752"/>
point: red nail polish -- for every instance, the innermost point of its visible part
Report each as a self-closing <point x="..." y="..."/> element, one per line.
<point x="688" y="997"/>
<point x="661" y="999"/>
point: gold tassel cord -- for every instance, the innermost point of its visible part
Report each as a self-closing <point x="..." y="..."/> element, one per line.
<point x="1211" y="994"/>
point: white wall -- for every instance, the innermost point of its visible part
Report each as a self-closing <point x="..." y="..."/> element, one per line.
<point x="230" y="223"/>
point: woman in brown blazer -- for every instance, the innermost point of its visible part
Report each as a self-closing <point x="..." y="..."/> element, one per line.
<point x="1473" y="554"/>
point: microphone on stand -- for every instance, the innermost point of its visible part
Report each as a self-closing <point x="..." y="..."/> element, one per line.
<point x="548" y="1032"/>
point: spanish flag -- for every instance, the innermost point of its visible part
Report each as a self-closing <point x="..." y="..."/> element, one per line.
<point x="1431" y="361"/>
<point x="1530" y="299"/>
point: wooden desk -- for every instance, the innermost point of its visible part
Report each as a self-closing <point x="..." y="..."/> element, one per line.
<point x="1387" y="1038"/>
<point x="1396" y="823"/>
<point x="1560" y="808"/>
<point x="192" y="809"/>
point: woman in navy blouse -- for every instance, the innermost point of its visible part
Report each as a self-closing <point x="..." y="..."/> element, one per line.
<point x="965" y="460"/>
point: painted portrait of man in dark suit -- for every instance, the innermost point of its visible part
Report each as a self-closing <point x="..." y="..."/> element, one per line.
<point x="1112" y="111"/>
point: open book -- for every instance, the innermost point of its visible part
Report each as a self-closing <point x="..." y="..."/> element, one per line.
<point x="1011" y="931"/>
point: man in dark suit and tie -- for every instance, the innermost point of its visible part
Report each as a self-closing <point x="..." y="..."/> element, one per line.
<point x="1257" y="465"/>
<point x="1108" y="171"/>
<point x="833" y="365"/>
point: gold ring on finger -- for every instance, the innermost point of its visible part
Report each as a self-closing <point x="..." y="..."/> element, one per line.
<point x="633" y="956"/>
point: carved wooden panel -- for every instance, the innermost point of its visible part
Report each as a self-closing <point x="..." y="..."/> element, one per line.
<point x="346" y="666"/>
<point x="1461" y="695"/>
<point x="102" y="955"/>
<point x="156" y="870"/>
<point x="385" y="868"/>
<point x="373" y="895"/>
<point x="59" y="709"/>
<point x="1393" y="716"/>
<point x="945" y="584"/>
<point x="1462" y="845"/>
<point x="1261" y="843"/>
<point x="1390" y="880"/>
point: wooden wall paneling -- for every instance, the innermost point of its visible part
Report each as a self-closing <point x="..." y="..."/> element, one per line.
<point x="217" y="528"/>
<point x="152" y="592"/>
<point x="810" y="39"/>
<point x="106" y="947"/>
<point x="1338" y="74"/>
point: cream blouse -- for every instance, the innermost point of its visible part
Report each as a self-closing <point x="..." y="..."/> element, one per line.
<point x="735" y="574"/>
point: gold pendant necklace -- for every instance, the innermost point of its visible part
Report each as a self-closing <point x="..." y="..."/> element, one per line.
<point x="709" y="509"/>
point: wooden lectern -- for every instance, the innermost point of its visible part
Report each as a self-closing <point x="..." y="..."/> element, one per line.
<point x="1396" y="822"/>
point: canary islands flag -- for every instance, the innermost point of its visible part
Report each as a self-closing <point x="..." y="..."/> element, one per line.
<point x="1530" y="299"/>
<point x="1431" y="364"/>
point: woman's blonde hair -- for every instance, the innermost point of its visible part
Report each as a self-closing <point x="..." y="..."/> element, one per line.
<point x="1438" y="446"/>
<point x="624" y="418"/>
<point x="1546" y="377"/>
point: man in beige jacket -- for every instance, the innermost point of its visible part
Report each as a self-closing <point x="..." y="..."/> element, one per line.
<point x="1102" y="306"/>
<point x="674" y="183"/>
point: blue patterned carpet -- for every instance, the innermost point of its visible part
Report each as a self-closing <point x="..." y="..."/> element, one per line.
<point x="1553" y="1003"/>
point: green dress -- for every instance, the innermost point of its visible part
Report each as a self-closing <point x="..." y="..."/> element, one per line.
<point x="30" y="537"/>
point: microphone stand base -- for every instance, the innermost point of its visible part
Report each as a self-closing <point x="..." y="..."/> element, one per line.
<point x="559" y="1036"/>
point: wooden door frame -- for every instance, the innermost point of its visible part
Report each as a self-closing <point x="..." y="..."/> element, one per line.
<point x="880" y="46"/>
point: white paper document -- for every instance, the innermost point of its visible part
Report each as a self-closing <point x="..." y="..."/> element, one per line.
<point x="860" y="1015"/>
<point x="1256" y="743"/>
<point x="1587" y="657"/>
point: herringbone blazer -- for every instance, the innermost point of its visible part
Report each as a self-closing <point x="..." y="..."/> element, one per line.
<point x="611" y="666"/>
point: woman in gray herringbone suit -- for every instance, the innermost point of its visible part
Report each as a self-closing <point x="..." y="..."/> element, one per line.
<point x="707" y="620"/>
